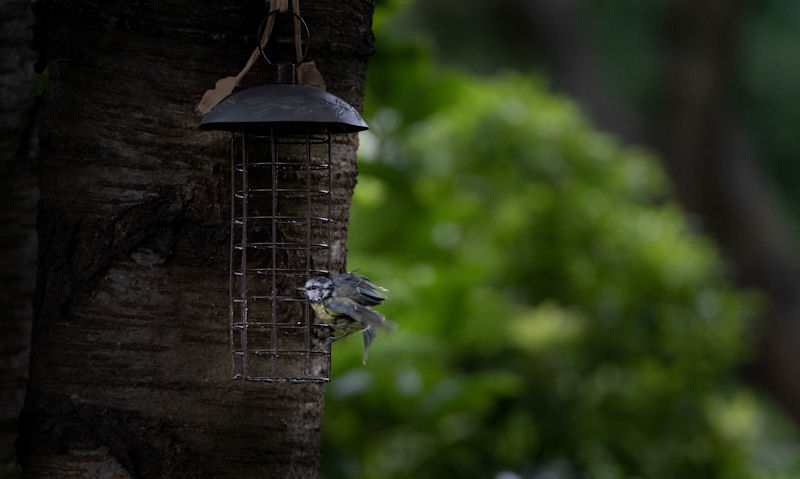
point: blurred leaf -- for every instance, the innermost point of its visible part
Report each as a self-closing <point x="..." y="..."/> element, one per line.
<point x="557" y="314"/>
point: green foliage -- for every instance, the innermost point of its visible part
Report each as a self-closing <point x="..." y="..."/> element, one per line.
<point x="764" y="70"/>
<point x="768" y="99"/>
<point x="40" y="84"/>
<point x="557" y="314"/>
<point x="43" y="79"/>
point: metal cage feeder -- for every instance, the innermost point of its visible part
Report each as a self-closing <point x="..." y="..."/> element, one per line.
<point x="281" y="224"/>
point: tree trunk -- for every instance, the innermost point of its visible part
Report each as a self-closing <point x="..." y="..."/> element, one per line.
<point x="18" y="196"/>
<point x="717" y="177"/>
<point x="130" y="364"/>
<point x="714" y="169"/>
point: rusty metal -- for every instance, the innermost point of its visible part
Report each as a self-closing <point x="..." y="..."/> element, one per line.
<point x="280" y="215"/>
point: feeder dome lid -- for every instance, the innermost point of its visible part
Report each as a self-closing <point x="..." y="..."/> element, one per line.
<point x="283" y="106"/>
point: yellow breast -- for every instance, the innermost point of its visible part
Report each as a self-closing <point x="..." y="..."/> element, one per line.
<point x="324" y="315"/>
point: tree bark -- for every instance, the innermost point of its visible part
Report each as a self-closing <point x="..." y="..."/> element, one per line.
<point x="130" y="364"/>
<point x="18" y="196"/>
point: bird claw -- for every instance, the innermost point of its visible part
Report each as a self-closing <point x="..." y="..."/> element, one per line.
<point x="334" y="338"/>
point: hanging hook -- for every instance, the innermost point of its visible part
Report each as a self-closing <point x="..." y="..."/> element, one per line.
<point x="263" y="25"/>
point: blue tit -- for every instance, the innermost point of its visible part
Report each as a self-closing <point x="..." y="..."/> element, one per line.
<point x="344" y="303"/>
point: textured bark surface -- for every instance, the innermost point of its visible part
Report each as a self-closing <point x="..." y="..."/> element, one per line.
<point x="18" y="196"/>
<point x="130" y="371"/>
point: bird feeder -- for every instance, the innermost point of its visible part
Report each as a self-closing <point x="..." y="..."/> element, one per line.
<point x="281" y="222"/>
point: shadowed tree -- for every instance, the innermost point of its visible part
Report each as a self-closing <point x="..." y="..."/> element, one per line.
<point x="129" y="370"/>
<point x="688" y="113"/>
<point x="714" y="167"/>
<point x="18" y="195"/>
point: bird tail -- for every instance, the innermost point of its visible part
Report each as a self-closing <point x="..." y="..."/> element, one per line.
<point x="369" y="336"/>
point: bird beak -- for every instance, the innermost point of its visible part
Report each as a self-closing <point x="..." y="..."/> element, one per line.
<point x="301" y="289"/>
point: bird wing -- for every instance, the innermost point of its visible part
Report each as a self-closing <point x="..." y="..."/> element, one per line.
<point x="358" y="288"/>
<point x="363" y="314"/>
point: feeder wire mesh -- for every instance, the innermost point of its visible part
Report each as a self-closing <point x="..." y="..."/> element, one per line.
<point x="281" y="218"/>
<point x="280" y="215"/>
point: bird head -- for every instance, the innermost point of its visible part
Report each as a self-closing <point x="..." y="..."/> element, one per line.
<point x="318" y="289"/>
